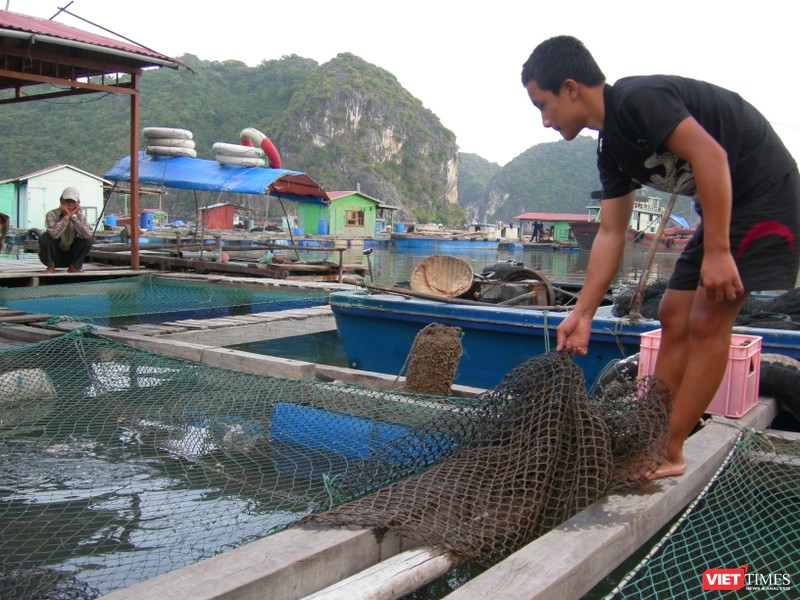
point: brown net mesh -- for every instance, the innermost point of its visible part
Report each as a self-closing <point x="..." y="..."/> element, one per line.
<point x="433" y="360"/>
<point x="519" y="459"/>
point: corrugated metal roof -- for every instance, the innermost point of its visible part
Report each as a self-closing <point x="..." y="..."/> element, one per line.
<point x="342" y="194"/>
<point x="50" y="169"/>
<point x="34" y="25"/>
<point x="542" y="216"/>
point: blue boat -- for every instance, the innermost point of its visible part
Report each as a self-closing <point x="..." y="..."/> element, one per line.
<point x="441" y="245"/>
<point x="378" y="330"/>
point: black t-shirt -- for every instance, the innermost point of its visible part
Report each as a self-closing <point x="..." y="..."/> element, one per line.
<point x="641" y="112"/>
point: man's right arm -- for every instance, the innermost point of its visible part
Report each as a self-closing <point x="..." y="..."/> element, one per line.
<point x="54" y="224"/>
<point x="604" y="260"/>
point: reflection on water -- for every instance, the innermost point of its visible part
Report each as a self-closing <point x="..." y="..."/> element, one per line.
<point x="391" y="265"/>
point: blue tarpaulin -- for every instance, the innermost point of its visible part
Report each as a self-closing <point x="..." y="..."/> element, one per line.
<point x="680" y="221"/>
<point x="210" y="175"/>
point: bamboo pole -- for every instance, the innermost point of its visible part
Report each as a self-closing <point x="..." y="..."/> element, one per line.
<point x="636" y="301"/>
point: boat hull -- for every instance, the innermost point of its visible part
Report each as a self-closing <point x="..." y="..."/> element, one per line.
<point x="378" y="330"/>
<point x="585" y="232"/>
<point x="438" y="244"/>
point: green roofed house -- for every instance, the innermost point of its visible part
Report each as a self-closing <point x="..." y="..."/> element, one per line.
<point x="552" y="227"/>
<point x="350" y="214"/>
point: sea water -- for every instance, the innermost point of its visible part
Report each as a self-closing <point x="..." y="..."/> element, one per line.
<point x="390" y="265"/>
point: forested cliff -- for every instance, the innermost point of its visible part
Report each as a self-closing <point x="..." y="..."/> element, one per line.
<point x="347" y="123"/>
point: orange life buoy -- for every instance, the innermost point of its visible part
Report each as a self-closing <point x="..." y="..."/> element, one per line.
<point x="253" y="137"/>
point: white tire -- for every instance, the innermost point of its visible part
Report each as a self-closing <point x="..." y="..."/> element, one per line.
<point x="167" y="132"/>
<point x="223" y="149"/>
<point x="171" y="151"/>
<point x="252" y="134"/>
<point x="241" y="161"/>
<point x="170" y="142"/>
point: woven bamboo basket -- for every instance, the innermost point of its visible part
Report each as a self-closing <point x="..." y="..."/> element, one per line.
<point x="442" y="275"/>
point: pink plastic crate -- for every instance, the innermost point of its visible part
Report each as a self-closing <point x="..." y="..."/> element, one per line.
<point x="738" y="391"/>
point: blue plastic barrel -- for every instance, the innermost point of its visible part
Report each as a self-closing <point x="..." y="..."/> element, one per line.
<point x="111" y="220"/>
<point x="399" y="227"/>
<point x="322" y="227"/>
<point x="146" y="221"/>
<point x="297" y="231"/>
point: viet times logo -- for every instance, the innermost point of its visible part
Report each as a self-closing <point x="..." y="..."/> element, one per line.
<point x="736" y="579"/>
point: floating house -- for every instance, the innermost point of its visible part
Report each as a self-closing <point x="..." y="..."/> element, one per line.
<point x="350" y="213"/>
<point x="27" y="199"/>
<point x="554" y="226"/>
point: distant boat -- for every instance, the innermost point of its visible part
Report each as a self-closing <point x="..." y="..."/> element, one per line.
<point x="483" y="236"/>
<point x="642" y="229"/>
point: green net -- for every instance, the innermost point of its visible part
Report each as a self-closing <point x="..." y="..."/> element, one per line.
<point x="747" y="520"/>
<point x="155" y="299"/>
<point x="117" y="464"/>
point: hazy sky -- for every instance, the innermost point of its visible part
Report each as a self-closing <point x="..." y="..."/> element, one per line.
<point x="463" y="59"/>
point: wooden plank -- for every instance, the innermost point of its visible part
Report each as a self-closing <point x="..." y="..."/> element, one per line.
<point x="27" y="334"/>
<point x="259" y="364"/>
<point x="393" y="578"/>
<point x="25" y="318"/>
<point x="571" y="559"/>
<point x="286" y="566"/>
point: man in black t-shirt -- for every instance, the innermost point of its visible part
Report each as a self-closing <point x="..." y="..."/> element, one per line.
<point x="687" y="137"/>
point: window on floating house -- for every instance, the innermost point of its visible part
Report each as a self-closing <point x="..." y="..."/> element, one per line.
<point x="354" y="218"/>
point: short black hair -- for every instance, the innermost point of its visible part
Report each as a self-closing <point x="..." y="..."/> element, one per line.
<point x="560" y="58"/>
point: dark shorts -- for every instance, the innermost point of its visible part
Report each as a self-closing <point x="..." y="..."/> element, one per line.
<point x="765" y="242"/>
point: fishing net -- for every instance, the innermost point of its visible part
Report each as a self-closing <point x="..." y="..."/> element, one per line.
<point x="519" y="459"/>
<point x="117" y="464"/>
<point x="747" y="519"/>
<point x="651" y="299"/>
<point x="433" y="360"/>
<point x="780" y="312"/>
<point x="154" y="299"/>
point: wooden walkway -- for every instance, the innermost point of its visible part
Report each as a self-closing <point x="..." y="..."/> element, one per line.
<point x="27" y="272"/>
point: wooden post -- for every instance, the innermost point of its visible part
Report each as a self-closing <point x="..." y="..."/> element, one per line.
<point x="636" y="301"/>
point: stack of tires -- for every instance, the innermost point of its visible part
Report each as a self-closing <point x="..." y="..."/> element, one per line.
<point x="253" y="150"/>
<point x="240" y="155"/>
<point x="168" y="141"/>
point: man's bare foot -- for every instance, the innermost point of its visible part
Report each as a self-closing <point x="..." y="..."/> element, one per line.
<point x="668" y="469"/>
<point x="50" y="270"/>
<point x="72" y="269"/>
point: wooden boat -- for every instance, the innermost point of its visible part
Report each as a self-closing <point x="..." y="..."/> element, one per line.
<point x="378" y="329"/>
<point x="645" y="219"/>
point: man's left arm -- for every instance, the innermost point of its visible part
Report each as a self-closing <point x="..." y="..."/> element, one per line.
<point x="82" y="227"/>
<point x="712" y="176"/>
